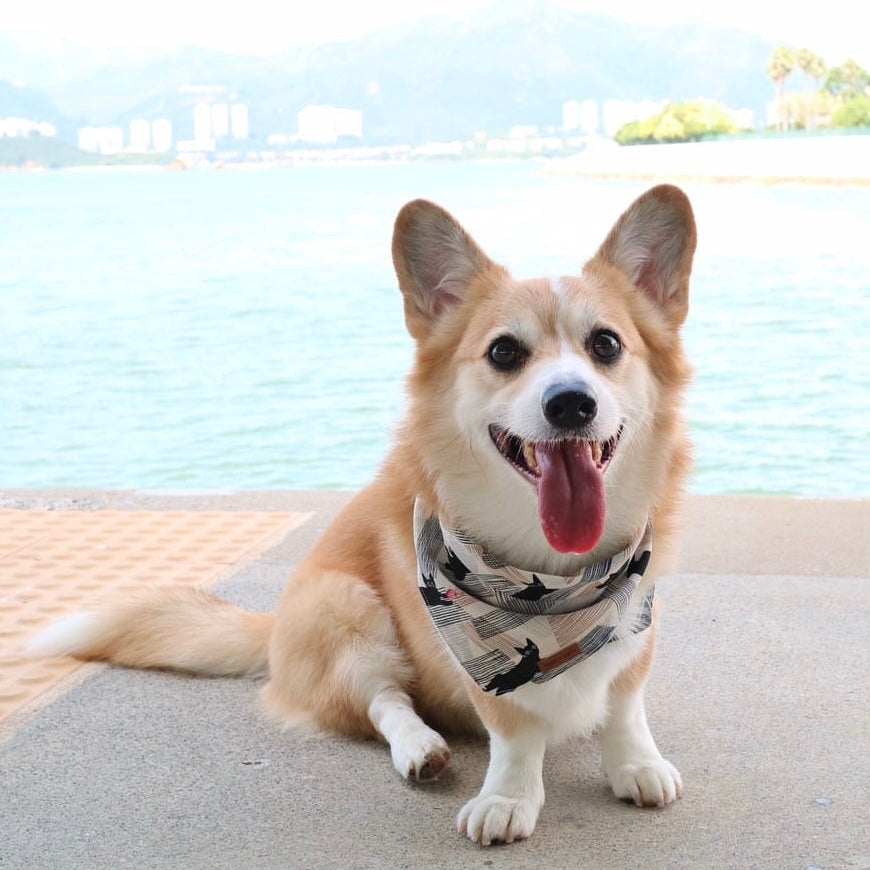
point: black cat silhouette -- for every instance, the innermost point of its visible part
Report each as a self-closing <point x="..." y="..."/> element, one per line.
<point x="454" y="566"/>
<point x="432" y="595"/>
<point x="520" y="674"/>
<point x="534" y="591"/>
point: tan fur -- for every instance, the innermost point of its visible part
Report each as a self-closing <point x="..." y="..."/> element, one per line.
<point x="351" y="626"/>
<point x="633" y="678"/>
<point x="181" y="628"/>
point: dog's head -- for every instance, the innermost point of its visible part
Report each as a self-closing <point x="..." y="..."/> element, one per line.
<point x="546" y="413"/>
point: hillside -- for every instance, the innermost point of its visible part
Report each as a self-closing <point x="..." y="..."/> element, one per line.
<point x="512" y="63"/>
<point x="20" y="101"/>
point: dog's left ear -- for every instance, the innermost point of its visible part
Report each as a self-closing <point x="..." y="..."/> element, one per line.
<point x="654" y="243"/>
<point x="435" y="261"/>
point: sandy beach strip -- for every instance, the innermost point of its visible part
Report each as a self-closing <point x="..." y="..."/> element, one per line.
<point x="835" y="159"/>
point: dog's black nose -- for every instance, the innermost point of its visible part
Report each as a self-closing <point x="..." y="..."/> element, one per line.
<point x="570" y="406"/>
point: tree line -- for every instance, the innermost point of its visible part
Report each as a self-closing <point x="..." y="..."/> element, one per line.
<point x="837" y="96"/>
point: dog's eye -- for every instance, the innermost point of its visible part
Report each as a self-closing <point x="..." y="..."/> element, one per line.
<point x="606" y="345"/>
<point x="507" y="354"/>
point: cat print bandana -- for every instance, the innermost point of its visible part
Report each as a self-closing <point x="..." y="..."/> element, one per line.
<point x="508" y="627"/>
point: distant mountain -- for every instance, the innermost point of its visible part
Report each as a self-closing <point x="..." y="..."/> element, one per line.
<point x="508" y="64"/>
<point x="20" y="101"/>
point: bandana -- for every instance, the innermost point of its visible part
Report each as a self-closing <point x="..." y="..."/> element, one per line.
<point x="508" y="627"/>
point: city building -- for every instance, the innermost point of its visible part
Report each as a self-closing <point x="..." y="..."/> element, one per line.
<point x="220" y="121"/>
<point x="239" y="126"/>
<point x="328" y="124"/>
<point x="161" y="135"/>
<point x="111" y="140"/>
<point x="580" y="117"/>
<point x="213" y="122"/>
<point x="22" y="128"/>
<point x="589" y="117"/>
<point x="571" y="115"/>
<point x="147" y="136"/>
<point x="202" y="123"/>
<point x="101" y="140"/>
<point x="522" y="131"/>
<point x="140" y="135"/>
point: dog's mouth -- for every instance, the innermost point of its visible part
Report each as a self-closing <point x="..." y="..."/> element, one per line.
<point x="569" y="477"/>
<point x="523" y="455"/>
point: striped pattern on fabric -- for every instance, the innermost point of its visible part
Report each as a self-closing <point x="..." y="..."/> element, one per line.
<point x="508" y="627"/>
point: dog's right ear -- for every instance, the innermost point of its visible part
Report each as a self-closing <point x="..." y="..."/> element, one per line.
<point x="435" y="260"/>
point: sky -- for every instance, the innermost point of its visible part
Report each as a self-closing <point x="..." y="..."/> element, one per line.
<point x="265" y="26"/>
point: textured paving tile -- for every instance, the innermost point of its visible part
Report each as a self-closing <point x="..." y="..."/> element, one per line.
<point x="56" y="562"/>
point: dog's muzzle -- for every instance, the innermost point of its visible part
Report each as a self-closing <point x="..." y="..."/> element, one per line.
<point x="570" y="407"/>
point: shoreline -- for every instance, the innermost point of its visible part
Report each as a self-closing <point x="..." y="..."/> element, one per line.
<point x="825" y="161"/>
<point x="680" y="178"/>
<point x="822" y="160"/>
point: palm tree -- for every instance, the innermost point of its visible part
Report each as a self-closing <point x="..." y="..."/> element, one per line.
<point x="779" y="68"/>
<point x="813" y="67"/>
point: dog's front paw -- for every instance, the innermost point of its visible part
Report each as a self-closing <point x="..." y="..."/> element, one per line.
<point x="420" y="755"/>
<point x="493" y="818"/>
<point x="650" y="783"/>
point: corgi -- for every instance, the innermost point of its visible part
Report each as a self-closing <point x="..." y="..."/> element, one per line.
<point x="497" y="575"/>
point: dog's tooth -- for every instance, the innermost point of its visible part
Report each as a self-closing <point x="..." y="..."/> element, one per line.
<point x="596" y="451"/>
<point x="530" y="455"/>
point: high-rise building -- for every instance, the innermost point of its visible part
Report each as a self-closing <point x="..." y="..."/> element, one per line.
<point x="239" y="121"/>
<point x="202" y="122"/>
<point x="111" y="140"/>
<point x="89" y="139"/>
<point x="161" y="135"/>
<point x="589" y="123"/>
<point x="140" y="135"/>
<point x="580" y="116"/>
<point x="220" y="121"/>
<point x="571" y="114"/>
<point x="327" y="124"/>
<point x="101" y="140"/>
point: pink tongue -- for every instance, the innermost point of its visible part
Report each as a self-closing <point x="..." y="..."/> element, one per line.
<point x="571" y="500"/>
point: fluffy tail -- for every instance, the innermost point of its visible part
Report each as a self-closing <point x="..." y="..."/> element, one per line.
<point x="183" y="629"/>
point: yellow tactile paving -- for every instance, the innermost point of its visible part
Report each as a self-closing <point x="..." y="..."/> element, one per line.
<point x="57" y="562"/>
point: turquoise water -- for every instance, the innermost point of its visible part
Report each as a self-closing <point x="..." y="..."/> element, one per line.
<point x="226" y="330"/>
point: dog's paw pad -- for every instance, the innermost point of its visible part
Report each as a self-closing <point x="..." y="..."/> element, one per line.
<point x="653" y="783"/>
<point x="493" y="818"/>
<point x="431" y="767"/>
<point x="421" y="757"/>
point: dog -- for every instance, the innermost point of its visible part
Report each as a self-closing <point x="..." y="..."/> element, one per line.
<point x="544" y="431"/>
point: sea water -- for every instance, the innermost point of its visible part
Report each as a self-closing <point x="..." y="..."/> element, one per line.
<point x="243" y="330"/>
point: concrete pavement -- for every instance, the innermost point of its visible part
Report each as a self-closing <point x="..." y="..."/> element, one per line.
<point x="760" y="695"/>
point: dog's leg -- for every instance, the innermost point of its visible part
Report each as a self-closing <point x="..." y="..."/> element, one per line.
<point x="335" y="663"/>
<point x="510" y="801"/>
<point x="630" y="758"/>
<point x="418" y="752"/>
